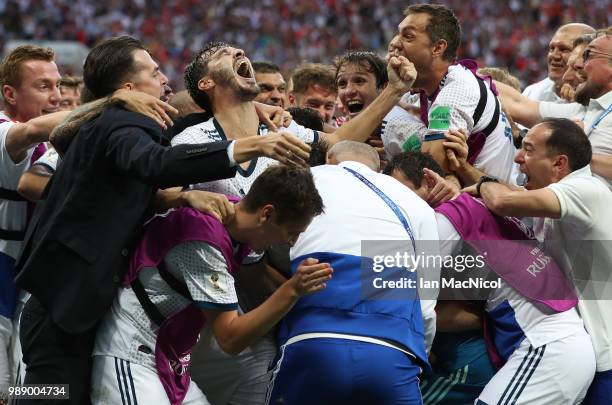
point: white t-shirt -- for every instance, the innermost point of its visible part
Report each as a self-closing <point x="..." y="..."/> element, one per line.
<point x="454" y="107"/>
<point x="586" y="216"/>
<point x="211" y="131"/>
<point x="538" y="323"/>
<point x="128" y="333"/>
<point x="543" y="90"/>
<point x="12" y="213"/>
<point x="601" y="135"/>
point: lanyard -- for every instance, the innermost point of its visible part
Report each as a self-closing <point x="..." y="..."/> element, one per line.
<point x="599" y="119"/>
<point x="390" y="203"/>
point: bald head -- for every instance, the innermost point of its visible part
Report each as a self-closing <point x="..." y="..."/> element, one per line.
<point x="560" y="47"/>
<point x="354" y="151"/>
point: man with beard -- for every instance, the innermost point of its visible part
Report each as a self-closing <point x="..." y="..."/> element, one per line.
<point x="574" y="76"/>
<point x="220" y="79"/>
<point x="559" y="50"/>
<point x="272" y="85"/>
<point x="593" y="103"/>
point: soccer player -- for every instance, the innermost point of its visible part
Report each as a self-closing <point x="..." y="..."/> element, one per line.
<point x="272" y="85"/>
<point x="181" y="277"/>
<point x="314" y="87"/>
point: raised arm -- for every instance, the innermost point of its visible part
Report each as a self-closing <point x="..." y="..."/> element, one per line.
<point x="402" y="74"/>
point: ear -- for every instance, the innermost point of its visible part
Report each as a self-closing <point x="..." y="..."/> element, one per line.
<point x="292" y="99"/>
<point x="265" y="213"/>
<point x="206" y="83"/>
<point x="561" y="165"/>
<point x="10" y="94"/>
<point x="439" y="48"/>
<point x="128" y="86"/>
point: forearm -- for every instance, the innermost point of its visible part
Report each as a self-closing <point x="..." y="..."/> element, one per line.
<point x="242" y="331"/>
<point x="31" y="185"/>
<point x="246" y="149"/>
<point x="469" y="174"/>
<point x="361" y="127"/>
<point x="602" y="165"/>
<point x="523" y="110"/>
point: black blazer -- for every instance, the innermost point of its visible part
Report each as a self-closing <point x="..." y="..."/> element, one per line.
<point x="77" y="246"/>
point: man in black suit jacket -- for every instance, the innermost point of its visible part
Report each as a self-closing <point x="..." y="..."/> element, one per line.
<point x="77" y="246"/>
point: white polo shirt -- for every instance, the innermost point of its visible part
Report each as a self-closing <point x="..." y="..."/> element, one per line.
<point x="543" y="90"/>
<point x="586" y="216"/>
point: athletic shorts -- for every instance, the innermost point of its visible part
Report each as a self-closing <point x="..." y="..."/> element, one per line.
<point x="332" y="371"/>
<point x="557" y="373"/>
<point x="116" y="381"/>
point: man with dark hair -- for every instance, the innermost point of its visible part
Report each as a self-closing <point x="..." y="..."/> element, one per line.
<point x="108" y="176"/>
<point x="272" y="85"/>
<point x="559" y="50"/>
<point x="573" y="208"/>
<point x="314" y="86"/>
<point x="530" y="348"/>
<point x="452" y="96"/>
<point x="202" y="256"/>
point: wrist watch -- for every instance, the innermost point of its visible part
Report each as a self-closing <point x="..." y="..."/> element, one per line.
<point x="485" y="179"/>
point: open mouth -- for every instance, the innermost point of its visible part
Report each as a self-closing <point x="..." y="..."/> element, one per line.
<point x="50" y="110"/>
<point x="243" y="69"/>
<point x="354" y="106"/>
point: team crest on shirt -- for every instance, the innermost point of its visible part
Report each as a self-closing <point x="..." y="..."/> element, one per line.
<point x="215" y="281"/>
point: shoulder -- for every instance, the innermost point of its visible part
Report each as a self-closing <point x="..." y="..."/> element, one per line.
<point x="203" y="132"/>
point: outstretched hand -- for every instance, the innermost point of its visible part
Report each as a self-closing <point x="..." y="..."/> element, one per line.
<point x="286" y="148"/>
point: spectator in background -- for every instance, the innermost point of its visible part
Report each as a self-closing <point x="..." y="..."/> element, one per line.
<point x="272" y="85"/>
<point x="314" y="86"/>
<point x="559" y="50"/>
<point x="70" y="89"/>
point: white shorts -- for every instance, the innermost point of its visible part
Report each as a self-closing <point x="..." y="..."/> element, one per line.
<point x="557" y="373"/>
<point x="116" y="381"/>
<point x="232" y="380"/>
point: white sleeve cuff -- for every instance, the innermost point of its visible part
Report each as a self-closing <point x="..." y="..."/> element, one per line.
<point x="230" y="154"/>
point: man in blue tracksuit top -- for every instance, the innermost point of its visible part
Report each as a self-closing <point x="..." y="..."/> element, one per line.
<point x="347" y="345"/>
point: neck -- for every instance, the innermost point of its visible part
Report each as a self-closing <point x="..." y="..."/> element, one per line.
<point x="430" y="80"/>
<point x="235" y="226"/>
<point x="12" y="114"/>
<point x="237" y="117"/>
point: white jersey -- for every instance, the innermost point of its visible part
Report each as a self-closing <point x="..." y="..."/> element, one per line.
<point x="401" y="131"/>
<point x="211" y="131"/>
<point x="126" y="332"/>
<point x="12" y="213"/>
<point x="521" y="317"/>
<point x="543" y="90"/>
<point x="454" y="107"/>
